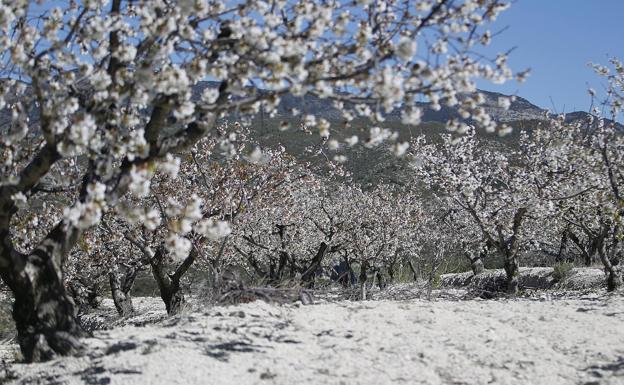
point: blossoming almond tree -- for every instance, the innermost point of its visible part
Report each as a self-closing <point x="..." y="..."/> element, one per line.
<point x="289" y="237"/>
<point x="489" y="185"/>
<point x="104" y="88"/>
<point x="458" y="225"/>
<point x="577" y="169"/>
<point x="381" y="225"/>
<point x="193" y="206"/>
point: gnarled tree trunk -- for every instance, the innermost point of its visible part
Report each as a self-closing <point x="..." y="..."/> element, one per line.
<point x="614" y="275"/>
<point x="307" y="278"/>
<point x="587" y="249"/>
<point x="43" y="311"/>
<point x="476" y="262"/>
<point x="121" y="282"/>
<point x="169" y="283"/>
<point x="512" y="270"/>
<point x="343" y="274"/>
<point x="509" y="248"/>
<point x="86" y="296"/>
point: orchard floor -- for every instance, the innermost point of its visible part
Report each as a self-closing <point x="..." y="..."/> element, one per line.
<point x="570" y="340"/>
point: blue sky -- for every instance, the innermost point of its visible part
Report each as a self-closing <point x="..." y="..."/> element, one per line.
<point x="557" y="38"/>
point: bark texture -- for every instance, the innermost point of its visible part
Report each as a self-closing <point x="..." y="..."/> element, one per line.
<point x="610" y="262"/>
<point x="307" y="278"/>
<point x="43" y="311"/>
<point x="121" y="282"/>
<point x="169" y="283"/>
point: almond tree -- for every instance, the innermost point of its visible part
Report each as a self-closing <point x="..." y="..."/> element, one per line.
<point x="381" y="224"/>
<point x="488" y="185"/>
<point x="194" y="204"/>
<point x="107" y="89"/>
<point x="291" y="237"/>
<point x="458" y="225"/>
<point x="578" y="171"/>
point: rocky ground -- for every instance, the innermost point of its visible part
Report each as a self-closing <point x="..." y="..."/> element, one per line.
<point x="548" y="338"/>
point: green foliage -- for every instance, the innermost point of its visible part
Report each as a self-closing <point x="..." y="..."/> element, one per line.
<point x="435" y="283"/>
<point x="562" y="270"/>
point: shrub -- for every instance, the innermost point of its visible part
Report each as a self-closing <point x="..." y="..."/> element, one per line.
<point x="562" y="270"/>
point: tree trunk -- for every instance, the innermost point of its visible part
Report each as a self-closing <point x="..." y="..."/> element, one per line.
<point x="586" y="249"/>
<point x="85" y="296"/>
<point x="362" y="280"/>
<point x="121" y="283"/>
<point x="614" y="280"/>
<point x="563" y="248"/>
<point x="512" y="269"/>
<point x="172" y="296"/>
<point x="410" y="263"/>
<point x="509" y="249"/>
<point x="614" y="276"/>
<point x="391" y="273"/>
<point x="169" y="290"/>
<point x="307" y="278"/>
<point x="169" y="284"/>
<point x="272" y="274"/>
<point x="43" y="311"/>
<point x="281" y="266"/>
<point x="476" y="264"/>
<point x="381" y="280"/>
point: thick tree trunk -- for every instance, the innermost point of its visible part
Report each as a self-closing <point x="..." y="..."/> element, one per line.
<point x="172" y="296"/>
<point x="281" y="266"/>
<point x="169" y="291"/>
<point x="273" y="280"/>
<point x="43" y="311"/>
<point x="121" y="283"/>
<point x="169" y="284"/>
<point x="307" y="278"/>
<point x="563" y="248"/>
<point x="509" y="249"/>
<point x="614" y="280"/>
<point x="614" y="275"/>
<point x="343" y="273"/>
<point x="391" y="273"/>
<point x="476" y="263"/>
<point x="512" y="269"/>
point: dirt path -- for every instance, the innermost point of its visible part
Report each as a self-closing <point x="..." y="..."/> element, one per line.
<point x="578" y="341"/>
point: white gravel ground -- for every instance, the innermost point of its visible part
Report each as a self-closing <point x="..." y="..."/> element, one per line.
<point x="523" y="341"/>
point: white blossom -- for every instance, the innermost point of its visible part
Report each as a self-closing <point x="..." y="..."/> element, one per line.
<point x="140" y="180"/>
<point x="352" y="140"/>
<point x="20" y="200"/>
<point x="214" y="229"/>
<point x="178" y="247"/>
<point x="406" y="48"/>
<point x="170" y="165"/>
